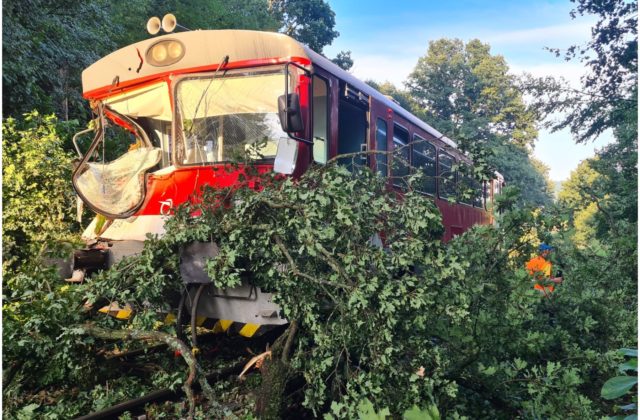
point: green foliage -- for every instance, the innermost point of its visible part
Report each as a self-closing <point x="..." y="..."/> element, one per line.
<point x="39" y="205"/>
<point x="320" y="228"/>
<point x="465" y="90"/>
<point x="618" y="386"/>
<point x="458" y="325"/>
<point x="40" y="342"/>
<point x="343" y="60"/>
<point x="609" y="88"/>
<point x="521" y="170"/>
<point x="309" y="21"/>
<point x="212" y="14"/>
<point x="467" y="93"/>
<point x="366" y="411"/>
<point x="372" y="318"/>
<point x="46" y="45"/>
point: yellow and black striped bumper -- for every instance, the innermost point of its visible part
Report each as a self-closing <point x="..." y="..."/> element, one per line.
<point x="216" y="325"/>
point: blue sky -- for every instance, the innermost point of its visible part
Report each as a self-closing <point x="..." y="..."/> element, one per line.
<point x="386" y="42"/>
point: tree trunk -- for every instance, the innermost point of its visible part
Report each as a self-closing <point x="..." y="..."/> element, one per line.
<point x="173" y="343"/>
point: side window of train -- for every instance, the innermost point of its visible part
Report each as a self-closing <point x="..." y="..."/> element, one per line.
<point x="381" y="145"/>
<point x="400" y="163"/>
<point x="320" y="120"/>
<point x="446" y="178"/>
<point x="473" y="191"/>
<point x="424" y="160"/>
<point x="478" y="196"/>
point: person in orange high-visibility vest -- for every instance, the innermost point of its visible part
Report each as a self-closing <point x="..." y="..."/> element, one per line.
<point x="540" y="267"/>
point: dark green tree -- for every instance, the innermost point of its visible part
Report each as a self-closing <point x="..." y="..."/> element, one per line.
<point x="45" y="46"/>
<point x="467" y="93"/>
<point x="39" y="205"/>
<point x="309" y="21"/>
<point x="343" y="60"/>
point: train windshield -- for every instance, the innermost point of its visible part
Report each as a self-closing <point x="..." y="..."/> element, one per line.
<point x="229" y="117"/>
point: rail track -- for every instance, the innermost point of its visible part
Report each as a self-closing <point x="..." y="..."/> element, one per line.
<point x="166" y="394"/>
<point x="225" y="348"/>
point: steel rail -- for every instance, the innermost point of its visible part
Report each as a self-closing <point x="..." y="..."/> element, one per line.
<point x="159" y="395"/>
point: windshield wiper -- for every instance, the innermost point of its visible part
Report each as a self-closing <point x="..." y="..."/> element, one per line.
<point x="224" y="62"/>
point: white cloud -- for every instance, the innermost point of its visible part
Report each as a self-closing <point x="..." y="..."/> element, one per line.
<point x="571" y="71"/>
<point x="382" y="68"/>
<point x="391" y="54"/>
<point x="553" y="35"/>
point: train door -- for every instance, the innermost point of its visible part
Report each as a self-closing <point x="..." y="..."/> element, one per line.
<point x="353" y="107"/>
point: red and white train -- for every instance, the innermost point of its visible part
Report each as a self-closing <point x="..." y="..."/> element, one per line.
<point x="175" y="109"/>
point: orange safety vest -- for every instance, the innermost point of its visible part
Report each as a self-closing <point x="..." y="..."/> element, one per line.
<point x="540" y="270"/>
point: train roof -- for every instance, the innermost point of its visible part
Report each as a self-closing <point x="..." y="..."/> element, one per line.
<point x="204" y="49"/>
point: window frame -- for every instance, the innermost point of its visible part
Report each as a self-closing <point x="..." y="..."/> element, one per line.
<point x="427" y="143"/>
<point x="177" y="134"/>
<point x="407" y="145"/>
<point x="386" y="147"/>
<point x="439" y="172"/>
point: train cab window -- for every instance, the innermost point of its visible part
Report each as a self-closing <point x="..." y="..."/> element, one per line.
<point x="424" y="160"/>
<point x="446" y="176"/>
<point x="400" y="163"/>
<point x="466" y="190"/>
<point x="150" y="107"/>
<point x="159" y="133"/>
<point x="110" y="176"/>
<point x="381" y="145"/>
<point x="320" y="120"/>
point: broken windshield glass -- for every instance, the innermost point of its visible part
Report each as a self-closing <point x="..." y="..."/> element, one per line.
<point x="110" y="177"/>
<point x="228" y="118"/>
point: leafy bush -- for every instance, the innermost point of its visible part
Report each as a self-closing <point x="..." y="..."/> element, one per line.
<point x="372" y="317"/>
<point x="38" y="200"/>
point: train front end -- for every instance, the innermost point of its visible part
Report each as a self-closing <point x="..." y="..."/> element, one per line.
<point x="176" y="113"/>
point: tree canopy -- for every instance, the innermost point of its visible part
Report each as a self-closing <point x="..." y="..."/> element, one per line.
<point x="467" y="93"/>
<point x="610" y="85"/>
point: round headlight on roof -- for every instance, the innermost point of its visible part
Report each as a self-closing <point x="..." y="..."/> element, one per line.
<point x="159" y="53"/>
<point x="174" y="49"/>
<point x="165" y="52"/>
